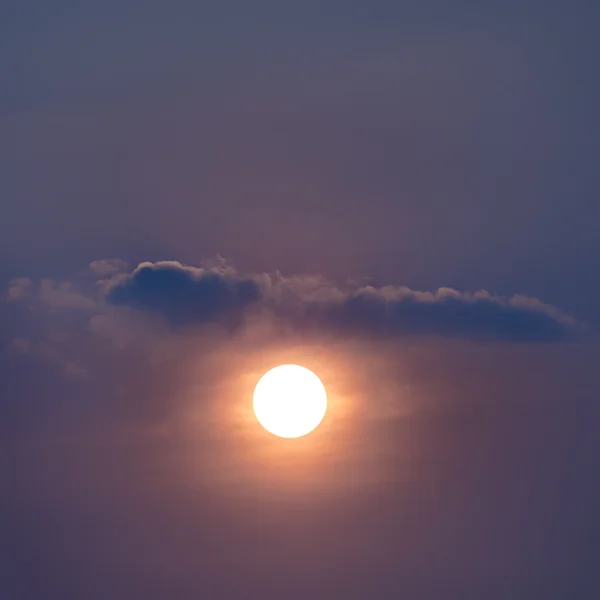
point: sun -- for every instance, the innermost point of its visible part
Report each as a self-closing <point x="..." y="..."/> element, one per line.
<point x="290" y="401"/>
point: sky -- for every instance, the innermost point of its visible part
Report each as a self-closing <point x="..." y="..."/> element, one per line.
<point x="400" y="196"/>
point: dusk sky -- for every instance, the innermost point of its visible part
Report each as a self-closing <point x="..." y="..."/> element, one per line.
<point x="403" y="197"/>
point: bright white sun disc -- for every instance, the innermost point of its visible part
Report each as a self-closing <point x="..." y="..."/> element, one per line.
<point x="289" y="401"/>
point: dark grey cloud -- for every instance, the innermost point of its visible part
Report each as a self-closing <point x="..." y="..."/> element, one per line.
<point x="184" y="294"/>
<point x="446" y="313"/>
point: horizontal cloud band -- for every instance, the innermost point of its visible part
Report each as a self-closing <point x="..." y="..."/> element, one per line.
<point x="186" y="295"/>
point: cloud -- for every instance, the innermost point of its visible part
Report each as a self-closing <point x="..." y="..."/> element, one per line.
<point x="19" y="289"/>
<point x="184" y="294"/>
<point x="49" y="293"/>
<point x="63" y="295"/>
<point x="392" y="311"/>
<point x="105" y="268"/>
<point x="216" y="293"/>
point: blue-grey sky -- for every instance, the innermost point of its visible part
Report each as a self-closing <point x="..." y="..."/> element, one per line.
<point x="407" y="198"/>
<point x="421" y="142"/>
